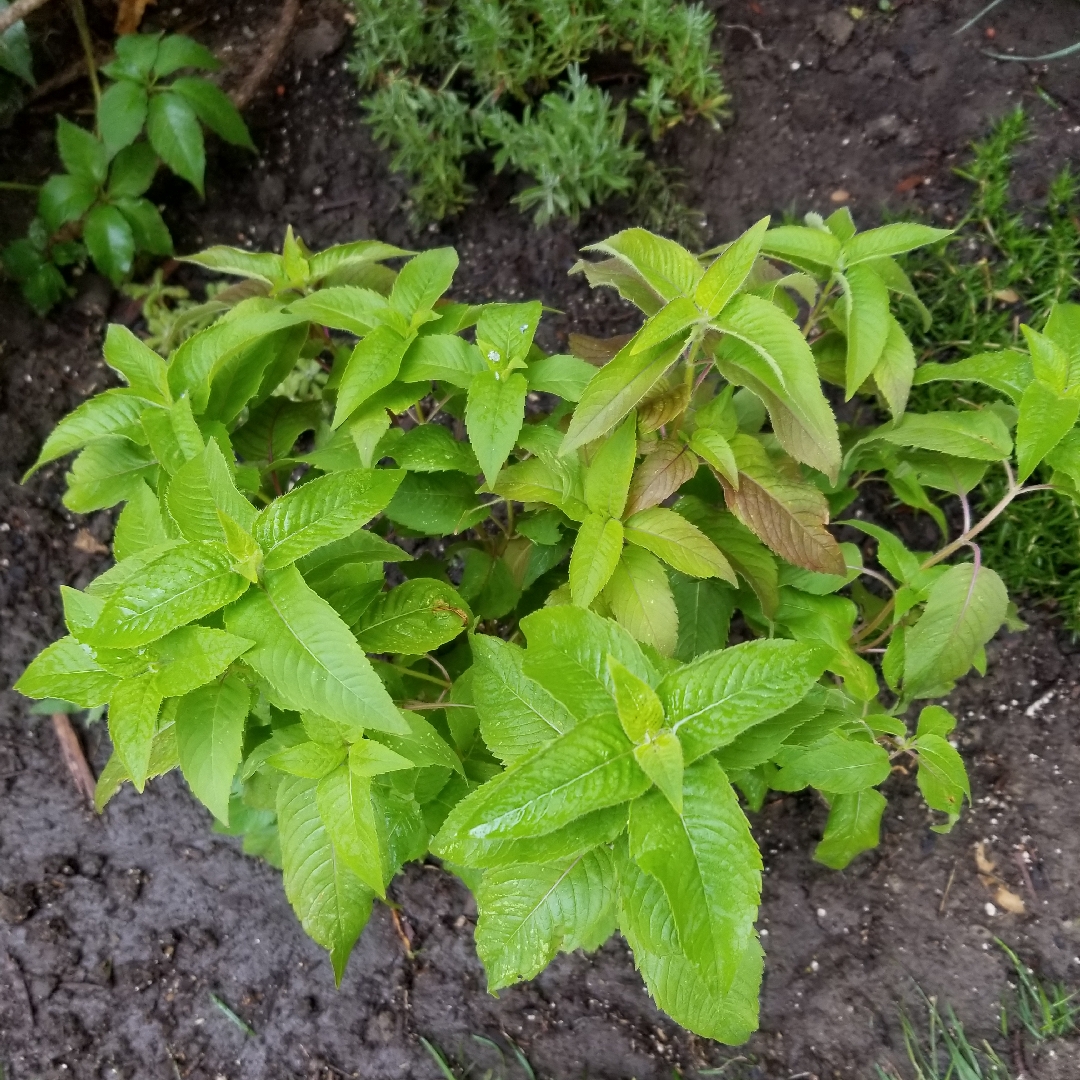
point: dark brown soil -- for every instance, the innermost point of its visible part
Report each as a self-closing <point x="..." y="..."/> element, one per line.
<point x="115" y="932"/>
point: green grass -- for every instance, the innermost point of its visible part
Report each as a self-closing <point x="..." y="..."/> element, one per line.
<point x="1006" y="266"/>
<point x="942" y="1051"/>
<point x="1045" y="1010"/>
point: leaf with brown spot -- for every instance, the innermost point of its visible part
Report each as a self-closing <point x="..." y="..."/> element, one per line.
<point x="661" y="474"/>
<point x="660" y="409"/>
<point x="129" y="14"/>
<point x="594" y="350"/>
<point x="790" y="517"/>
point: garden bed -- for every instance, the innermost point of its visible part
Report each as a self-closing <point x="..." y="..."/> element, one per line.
<point x="115" y="932"/>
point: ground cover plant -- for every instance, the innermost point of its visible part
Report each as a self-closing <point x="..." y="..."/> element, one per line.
<point x="1006" y="266"/>
<point x="96" y="209"/>
<point x="621" y="606"/>
<point x="449" y="79"/>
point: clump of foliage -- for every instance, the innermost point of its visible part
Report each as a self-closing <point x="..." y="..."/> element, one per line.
<point x="1043" y="1009"/>
<point x="452" y="77"/>
<point x="543" y="691"/>
<point x="97" y="208"/>
<point x="1005" y="268"/>
<point x="16" y="67"/>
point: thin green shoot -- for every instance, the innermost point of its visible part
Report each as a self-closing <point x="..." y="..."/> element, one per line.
<point x="439" y="1058"/>
<point x="236" y="1021"/>
<point x="1044" y="1010"/>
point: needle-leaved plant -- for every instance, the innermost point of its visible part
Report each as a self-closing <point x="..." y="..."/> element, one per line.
<point x="616" y="614"/>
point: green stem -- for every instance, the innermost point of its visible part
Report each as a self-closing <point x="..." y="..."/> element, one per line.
<point x="11" y="185"/>
<point x="81" y="25"/>
<point x="422" y="675"/>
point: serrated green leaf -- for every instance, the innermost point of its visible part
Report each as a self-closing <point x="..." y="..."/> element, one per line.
<point x="332" y="903"/>
<point x="121" y="113"/>
<point x="867" y="309"/>
<point x="422" y="280"/>
<point x="441" y="358"/>
<point x="15" y="54"/>
<point x="705" y="608"/>
<point x="802" y="246"/>
<point x="963" y="612"/>
<point x="140" y="366"/>
<point x="65" y="198"/>
<point x="304" y="650"/>
<point x="678" y="542"/>
<point x="178" y="51"/>
<point x="854" y="826"/>
<point x="258" y="265"/>
<point x="647" y="921"/>
<point x="199" y="489"/>
<point x="345" y="307"/>
<point x="322" y="511"/>
<point x="356" y="254"/>
<point x="163" y="758"/>
<point x="895" y="368"/>
<point x="607" y="479"/>
<point x="311" y="760"/>
<point x="616" y="389"/>
<point x="640" y="599"/>
<point x="173" y="435"/>
<point x="1007" y="371"/>
<point x="709" y="867"/>
<point x="596" y="553"/>
<point x="661" y="759"/>
<point x="374" y="364"/>
<point x="209" y="739"/>
<point x="493" y="417"/>
<point x="132" y="171"/>
<point x="759" y="743"/>
<point x="81" y="609"/>
<point x="110" y="242"/>
<point x="835" y="765"/>
<point x="942" y="777"/>
<point x="588" y="768"/>
<point x="173" y="129"/>
<point x="710" y="702"/>
<point x="675" y="317"/>
<point x="935" y="720"/>
<point x="517" y="715"/>
<point x="133" y="711"/>
<point x="418" y="741"/>
<point x="892" y="239"/>
<point x="367" y="758"/>
<point x="716" y="450"/>
<point x="214" y="109"/>
<point x="668" y="267"/>
<point x="430" y="448"/>
<point x="568" y="655"/>
<point x="566" y="376"/>
<point x="980" y="435"/>
<point x="528" y="913"/>
<point x="415" y="617"/>
<point x="191" y="656"/>
<point x="344" y="801"/>
<point x="1046" y="416"/>
<point x="436" y="505"/>
<point x="730" y="270"/>
<point x="67" y="670"/>
<point x="82" y="154"/>
<point x="640" y="711"/>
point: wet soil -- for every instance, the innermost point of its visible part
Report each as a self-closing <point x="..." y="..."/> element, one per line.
<point x="118" y="933"/>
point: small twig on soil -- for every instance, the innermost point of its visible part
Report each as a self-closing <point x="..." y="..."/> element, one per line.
<point x="755" y="34"/>
<point x="401" y="934"/>
<point x="948" y="886"/>
<point x="74" y="758"/>
<point x="19" y="10"/>
<point x="271" y="54"/>
<point x="1018" y="858"/>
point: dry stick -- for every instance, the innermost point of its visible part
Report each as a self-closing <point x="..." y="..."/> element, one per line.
<point x="72" y="753"/>
<point x="266" y="63"/>
<point x="19" y="10"/>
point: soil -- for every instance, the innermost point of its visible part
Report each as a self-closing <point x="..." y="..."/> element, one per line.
<point x="118" y="933"/>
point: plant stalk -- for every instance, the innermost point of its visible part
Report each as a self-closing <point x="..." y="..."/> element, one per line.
<point x="83" y="27"/>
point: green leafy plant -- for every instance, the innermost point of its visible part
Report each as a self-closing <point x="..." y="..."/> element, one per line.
<point x="1045" y="1010"/>
<point x="449" y="79"/>
<point x="16" y="66"/>
<point x="542" y="690"/>
<point x="97" y="207"/>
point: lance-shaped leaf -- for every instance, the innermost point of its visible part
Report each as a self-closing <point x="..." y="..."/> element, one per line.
<point x="607" y="479"/>
<point x="530" y="912"/>
<point x="307" y="654"/>
<point x="981" y="435"/>
<point x="184" y="583"/>
<point x="355" y="254"/>
<point x="833" y="764"/>
<point x="163" y="759"/>
<point x="422" y="280"/>
<point x="709" y="866"/>
<point x="764" y="350"/>
<point x="1046" y="417"/>
<point x="415" y="617"/>
<point x="639" y="595"/>
<point x="892" y="239"/>
<point x="322" y="511"/>
<point x="344" y="801"/>
<point x="616" y="389"/>
<point x="504" y="332"/>
<point x="675" y="317"/>
<point x="716" y="450"/>
<point x="854" y="826"/>
<point x="441" y="358"/>
<point x="431" y="448"/>
<point x="660" y="474"/>
<point x="629" y="284"/>
<point x="209" y="740"/>
<point x="589" y="768"/>
<point x="659" y="409"/>
<point x="202" y="487"/>
<point x="566" y="376"/>
<point x="594" y="558"/>
<point x="516" y="713"/>
<point x="108" y="471"/>
<point x="1006" y="371"/>
<point x="191" y="656"/>
<point x="312" y="760"/>
<point x="789" y="517"/>
<point x="760" y="743"/>
<point x="661" y="759"/>
<point x="493" y="417"/>
<point x="678" y="542"/>
<point x="730" y="270"/>
<point x="964" y="610"/>
<point x="344" y="307"/>
<point x="115" y="412"/>
<point x="711" y="701"/>
<point x="173" y="434"/>
<point x="668" y="267"/>
<point x="67" y="670"/>
<point x="374" y="363"/>
<point x="568" y="655"/>
<point x="331" y="902"/>
<point x="640" y="711"/>
<point x="141" y="367"/>
<point x="895" y="368"/>
<point x="133" y="712"/>
<point x="705" y="608"/>
<point x="436" y="505"/>
<point x="256" y="265"/>
<point x="802" y="246"/>
<point x="647" y="921"/>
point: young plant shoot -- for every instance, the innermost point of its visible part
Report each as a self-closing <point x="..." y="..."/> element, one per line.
<point x="541" y="690"/>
